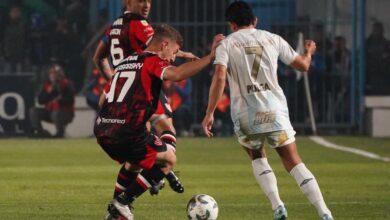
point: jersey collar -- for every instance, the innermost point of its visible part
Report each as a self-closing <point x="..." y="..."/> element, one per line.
<point x="247" y="30"/>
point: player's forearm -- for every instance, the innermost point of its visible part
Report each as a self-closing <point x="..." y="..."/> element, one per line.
<point x="307" y="60"/>
<point x="216" y="91"/>
<point x="101" y="61"/>
<point x="189" y="69"/>
<point x="180" y="53"/>
<point x="187" y="55"/>
<point x="302" y="62"/>
<point x="103" y="67"/>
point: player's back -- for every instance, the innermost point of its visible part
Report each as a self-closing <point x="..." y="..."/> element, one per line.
<point x="252" y="58"/>
<point x="128" y="34"/>
<point x="131" y="99"/>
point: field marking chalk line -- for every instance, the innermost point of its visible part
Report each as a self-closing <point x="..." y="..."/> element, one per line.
<point x="325" y="143"/>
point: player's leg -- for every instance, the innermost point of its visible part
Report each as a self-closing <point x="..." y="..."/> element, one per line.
<point x="156" y="164"/>
<point x="263" y="172"/>
<point x="266" y="179"/>
<point x="37" y="115"/>
<point x="127" y="175"/>
<point x="149" y="176"/>
<point x="166" y="132"/>
<point x="304" y="178"/>
<point x="163" y="125"/>
<point x="60" y="119"/>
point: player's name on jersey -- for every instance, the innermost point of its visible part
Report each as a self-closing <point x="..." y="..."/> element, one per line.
<point x="118" y="22"/>
<point x="252" y="43"/>
<point x="257" y="88"/>
<point x="115" y="32"/>
<point x="129" y="66"/>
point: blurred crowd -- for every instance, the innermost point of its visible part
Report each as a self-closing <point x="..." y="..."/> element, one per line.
<point x="35" y="34"/>
<point x="42" y="37"/>
<point x="333" y="57"/>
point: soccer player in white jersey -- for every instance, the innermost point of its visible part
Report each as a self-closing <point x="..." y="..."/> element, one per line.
<point x="249" y="57"/>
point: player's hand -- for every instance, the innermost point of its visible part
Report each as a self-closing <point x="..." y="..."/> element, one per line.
<point x="188" y="55"/>
<point x="217" y="40"/>
<point x="207" y="124"/>
<point x="310" y="47"/>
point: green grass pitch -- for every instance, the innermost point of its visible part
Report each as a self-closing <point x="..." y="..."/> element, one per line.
<point x="74" y="179"/>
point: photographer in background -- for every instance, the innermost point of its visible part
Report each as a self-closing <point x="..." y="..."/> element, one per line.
<point x="57" y="96"/>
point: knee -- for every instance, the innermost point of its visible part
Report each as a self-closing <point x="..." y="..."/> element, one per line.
<point x="132" y="168"/>
<point x="171" y="158"/>
<point x="257" y="153"/>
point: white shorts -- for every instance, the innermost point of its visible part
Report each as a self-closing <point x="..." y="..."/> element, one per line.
<point x="274" y="139"/>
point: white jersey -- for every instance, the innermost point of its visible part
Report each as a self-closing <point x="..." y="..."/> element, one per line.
<point x="258" y="104"/>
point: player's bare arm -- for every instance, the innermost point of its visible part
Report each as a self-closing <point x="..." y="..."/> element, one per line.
<point x="189" y="69"/>
<point x="101" y="61"/>
<point x="216" y="91"/>
<point x="187" y="55"/>
<point x="302" y="62"/>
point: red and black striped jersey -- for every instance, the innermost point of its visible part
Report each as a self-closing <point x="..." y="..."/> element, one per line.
<point x="128" y="34"/>
<point x="131" y="99"/>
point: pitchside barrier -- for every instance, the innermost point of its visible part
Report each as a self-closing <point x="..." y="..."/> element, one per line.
<point x="378" y="115"/>
<point x="83" y="121"/>
<point x="16" y="98"/>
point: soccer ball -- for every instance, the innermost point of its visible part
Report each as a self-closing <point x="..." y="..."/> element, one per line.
<point x="202" y="207"/>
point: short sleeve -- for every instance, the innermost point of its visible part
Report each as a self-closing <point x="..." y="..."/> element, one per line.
<point x="143" y="31"/>
<point x="286" y="53"/>
<point x="221" y="54"/>
<point x="157" y="67"/>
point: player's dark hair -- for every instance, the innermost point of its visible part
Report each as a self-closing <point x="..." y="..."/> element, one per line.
<point x="167" y="31"/>
<point x="240" y="13"/>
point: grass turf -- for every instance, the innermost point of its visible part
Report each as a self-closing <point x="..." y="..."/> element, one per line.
<point x="74" y="179"/>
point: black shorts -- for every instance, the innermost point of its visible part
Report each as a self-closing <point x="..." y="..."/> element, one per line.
<point x="143" y="154"/>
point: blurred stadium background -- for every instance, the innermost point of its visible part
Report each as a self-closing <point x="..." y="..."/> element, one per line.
<point x="349" y="78"/>
<point x="73" y="179"/>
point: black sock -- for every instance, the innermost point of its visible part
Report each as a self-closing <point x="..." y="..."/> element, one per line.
<point x="124" y="179"/>
<point x="144" y="181"/>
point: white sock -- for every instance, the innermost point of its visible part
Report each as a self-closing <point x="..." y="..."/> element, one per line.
<point x="309" y="186"/>
<point x="267" y="180"/>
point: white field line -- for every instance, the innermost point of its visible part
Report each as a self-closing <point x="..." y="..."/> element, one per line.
<point x="169" y="204"/>
<point x="325" y="143"/>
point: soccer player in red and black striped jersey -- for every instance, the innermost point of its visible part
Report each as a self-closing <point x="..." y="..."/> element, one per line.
<point x="131" y="100"/>
<point x="131" y="33"/>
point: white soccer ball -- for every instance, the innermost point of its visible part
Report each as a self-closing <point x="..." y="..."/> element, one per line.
<point x="202" y="207"/>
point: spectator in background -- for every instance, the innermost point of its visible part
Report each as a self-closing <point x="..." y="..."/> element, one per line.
<point x="341" y="57"/>
<point x="66" y="49"/>
<point x="94" y="89"/>
<point x="60" y="41"/>
<point x="179" y="97"/>
<point x="14" y="39"/>
<point x="377" y="62"/>
<point x="37" y="38"/>
<point x="322" y="60"/>
<point x="57" y="96"/>
<point x="77" y="17"/>
<point x="223" y="123"/>
<point x="342" y="70"/>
